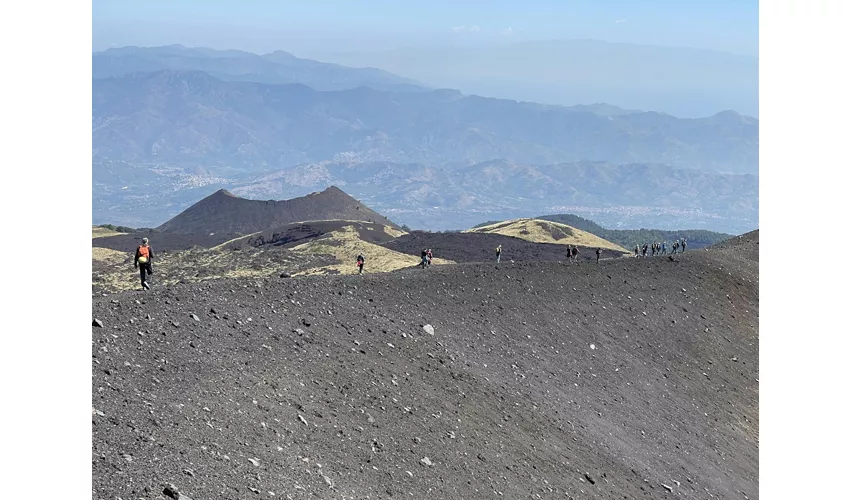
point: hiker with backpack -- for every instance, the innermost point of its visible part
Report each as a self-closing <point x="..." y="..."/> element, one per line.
<point x="423" y="255"/>
<point x="684" y="244"/>
<point x="598" y="254"/>
<point x="663" y="248"/>
<point x="430" y="256"/>
<point x="498" y="254"/>
<point x="142" y="262"/>
<point x="675" y="246"/>
<point x="637" y="251"/>
<point x="360" y="262"/>
<point x="574" y="252"/>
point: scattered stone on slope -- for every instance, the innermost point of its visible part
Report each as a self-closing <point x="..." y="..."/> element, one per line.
<point x="428" y="329"/>
<point x="195" y="317"/>
<point x="171" y="492"/>
<point x="426" y="461"/>
<point x="98" y="323"/>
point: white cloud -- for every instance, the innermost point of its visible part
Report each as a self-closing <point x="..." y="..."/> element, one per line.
<point x="620" y="20"/>
<point x="464" y="28"/>
<point x="507" y="31"/>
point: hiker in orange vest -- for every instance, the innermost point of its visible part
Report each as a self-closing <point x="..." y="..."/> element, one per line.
<point x="142" y="262"/>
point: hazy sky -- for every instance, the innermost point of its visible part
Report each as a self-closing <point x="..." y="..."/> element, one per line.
<point x="312" y="27"/>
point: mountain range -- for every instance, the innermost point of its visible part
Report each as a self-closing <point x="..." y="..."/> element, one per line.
<point x="418" y="194"/>
<point x="682" y="81"/>
<point x="192" y="118"/>
<point x="278" y="67"/>
<point x="170" y="125"/>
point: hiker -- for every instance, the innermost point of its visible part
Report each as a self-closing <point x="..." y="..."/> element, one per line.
<point x="430" y="256"/>
<point x="424" y="256"/>
<point x="498" y="254"/>
<point x="575" y="254"/>
<point x="142" y="262"/>
<point x="598" y="254"/>
<point x="663" y="248"/>
<point x="637" y="251"/>
<point x="645" y="247"/>
<point x="360" y="261"/>
<point x="684" y="244"/>
<point x="569" y="253"/>
<point x="652" y="249"/>
<point x="675" y="246"/>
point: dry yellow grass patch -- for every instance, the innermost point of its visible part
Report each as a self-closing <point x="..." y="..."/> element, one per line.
<point x="109" y="256"/>
<point x="102" y="232"/>
<point x="344" y="245"/>
<point x="542" y="231"/>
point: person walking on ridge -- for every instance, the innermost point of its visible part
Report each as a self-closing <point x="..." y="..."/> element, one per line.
<point x="498" y="254"/>
<point x="360" y="261"/>
<point x="598" y="254"/>
<point x="684" y="244"/>
<point x="142" y="262"/>
<point x="575" y="254"/>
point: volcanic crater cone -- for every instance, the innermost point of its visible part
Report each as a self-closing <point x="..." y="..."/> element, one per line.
<point x="224" y="213"/>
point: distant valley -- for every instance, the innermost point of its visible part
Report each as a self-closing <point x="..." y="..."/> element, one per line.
<point x="171" y="125"/>
<point x="437" y="198"/>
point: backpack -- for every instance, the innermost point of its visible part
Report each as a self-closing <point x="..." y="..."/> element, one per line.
<point x="144" y="254"/>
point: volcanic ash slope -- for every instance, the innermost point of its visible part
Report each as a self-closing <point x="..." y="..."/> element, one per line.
<point x="634" y="378"/>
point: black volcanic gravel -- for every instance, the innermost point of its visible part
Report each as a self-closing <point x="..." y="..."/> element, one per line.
<point x="634" y="378"/>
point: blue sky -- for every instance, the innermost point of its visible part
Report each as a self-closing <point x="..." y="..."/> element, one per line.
<point x="317" y="26"/>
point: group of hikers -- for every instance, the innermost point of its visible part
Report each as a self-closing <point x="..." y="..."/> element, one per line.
<point x="660" y="248"/>
<point x="144" y="256"/>
<point x="426" y="256"/>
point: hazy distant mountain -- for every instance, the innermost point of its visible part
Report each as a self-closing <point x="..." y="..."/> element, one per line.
<point x="276" y="68"/>
<point x="452" y="197"/>
<point x="502" y="185"/>
<point x="681" y="81"/>
<point x="189" y="118"/>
